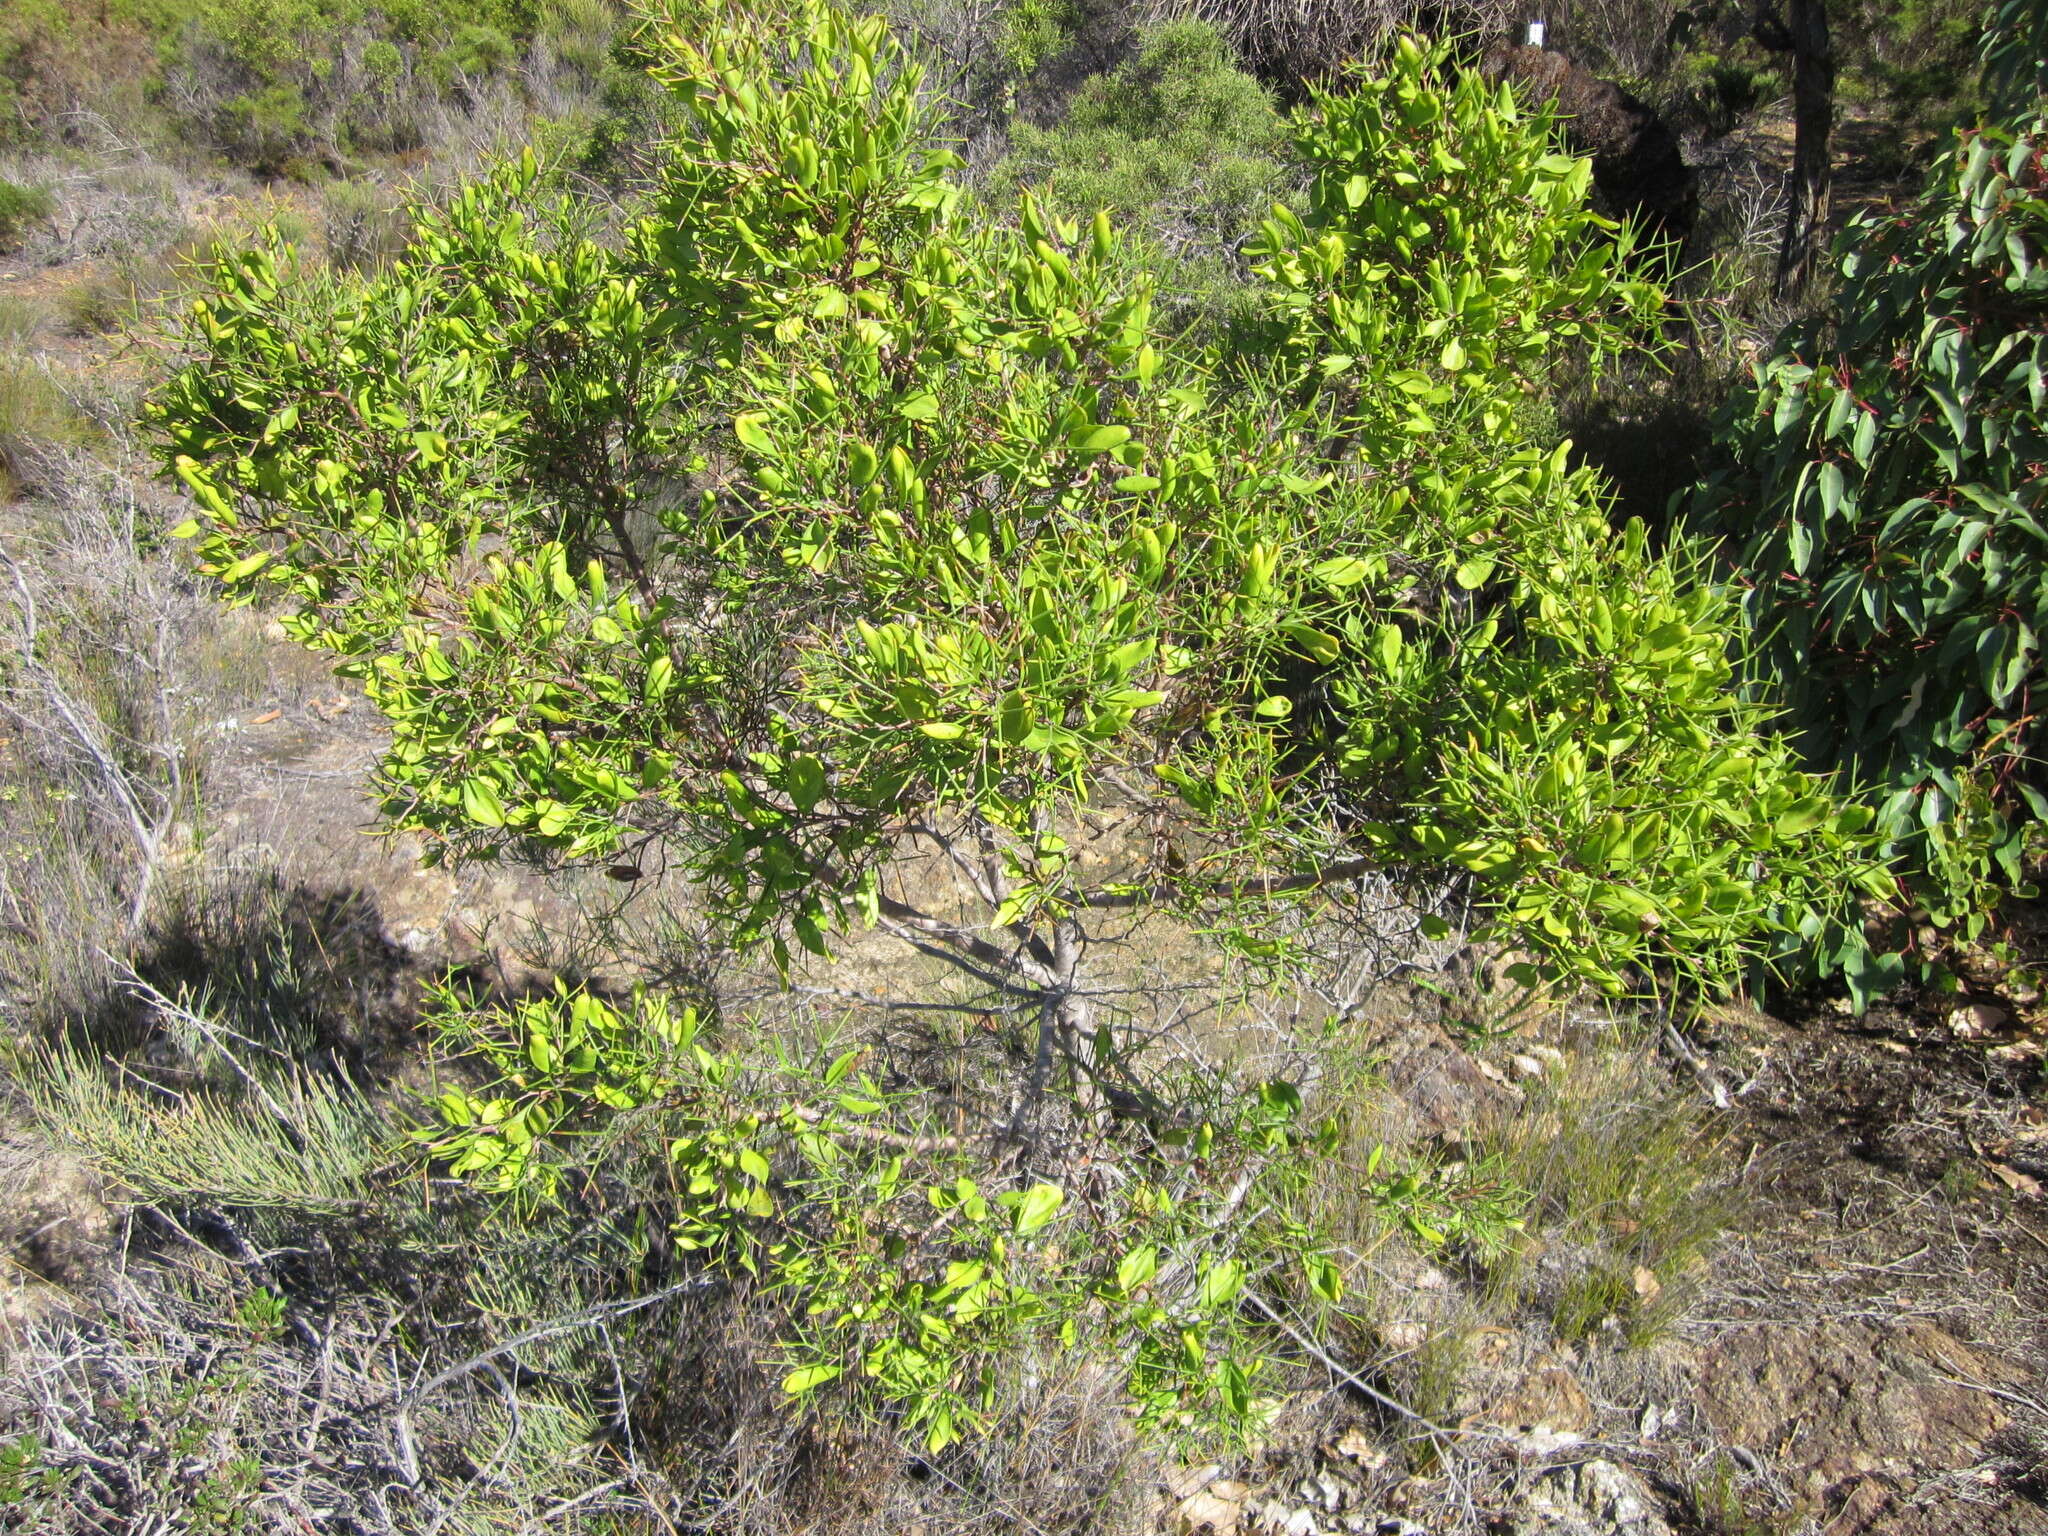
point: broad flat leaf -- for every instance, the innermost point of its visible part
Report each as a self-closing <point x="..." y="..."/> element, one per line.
<point x="1101" y="439"/>
<point x="1040" y="1204"/>
<point x="749" y="427"/>
<point x="1137" y="1266"/>
<point x="809" y="1379"/>
<point x="480" y="803"/>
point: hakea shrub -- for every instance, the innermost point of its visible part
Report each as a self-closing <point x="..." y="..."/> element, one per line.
<point x="822" y="515"/>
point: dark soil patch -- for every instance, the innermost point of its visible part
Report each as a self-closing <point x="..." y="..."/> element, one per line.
<point x="1876" y="1334"/>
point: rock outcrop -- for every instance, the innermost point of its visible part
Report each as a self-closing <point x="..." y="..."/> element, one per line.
<point x="1638" y="171"/>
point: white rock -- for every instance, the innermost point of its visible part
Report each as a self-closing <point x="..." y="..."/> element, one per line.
<point x="1612" y="1492"/>
<point x="1973" y="1021"/>
<point x="1544" y="1441"/>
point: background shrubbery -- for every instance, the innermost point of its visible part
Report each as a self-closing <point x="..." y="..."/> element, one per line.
<point x="1881" y="481"/>
<point x="1182" y="147"/>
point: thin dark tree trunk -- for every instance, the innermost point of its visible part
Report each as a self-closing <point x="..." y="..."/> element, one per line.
<point x="1813" y="119"/>
<point x="1802" y="31"/>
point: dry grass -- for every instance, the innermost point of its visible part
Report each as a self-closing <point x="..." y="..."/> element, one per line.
<point x="39" y="421"/>
<point x="114" y="661"/>
<point x="188" y="1392"/>
<point x="1629" y="1190"/>
<point x="21" y="319"/>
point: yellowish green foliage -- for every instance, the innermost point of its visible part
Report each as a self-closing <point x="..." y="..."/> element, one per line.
<point x="821" y="515"/>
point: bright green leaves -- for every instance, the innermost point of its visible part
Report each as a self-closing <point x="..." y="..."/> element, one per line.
<point x="1312" y="642"/>
<point x="1137" y="1268"/>
<point x="750" y="428"/>
<point x="778" y="196"/>
<point x="1012" y="699"/>
<point x="1548" y="676"/>
<point x="1444" y="236"/>
<point x="1099" y="439"/>
<point x="480" y="802"/>
<point x="1473" y="573"/>
<point x="1341" y="571"/>
<point x="345" y="442"/>
<point x="808" y="1378"/>
<point x="819" y="523"/>
<point x="1613" y="859"/>
<point x="566" y="1061"/>
<point x="543" y="719"/>
<point x="1016" y="718"/>
<point x="818" y="512"/>
<point x="1036" y="1208"/>
<point x="1573" y="742"/>
<point x="905" y="1276"/>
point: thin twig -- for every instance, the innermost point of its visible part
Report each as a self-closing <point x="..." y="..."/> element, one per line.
<point x="1352" y="1379"/>
<point x="588" y="1315"/>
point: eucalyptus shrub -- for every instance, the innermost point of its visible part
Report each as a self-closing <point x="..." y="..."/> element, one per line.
<point x="818" y="520"/>
<point x="1882" y="493"/>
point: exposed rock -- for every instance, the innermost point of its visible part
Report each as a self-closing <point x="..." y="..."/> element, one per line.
<point x="1836" y="1401"/>
<point x="1637" y="168"/>
<point x="52" y="1218"/>
<point x="1274" y="1518"/>
<point x="1599" y="1498"/>
<point x="1861" y="1510"/>
<point x="1548" y="1397"/>
<point x="1444" y="1090"/>
<point x="1357" y="1446"/>
<point x="1617" y="1496"/>
<point x="1974" y="1021"/>
<point x="1545" y="1444"/>
<point x="1403" y="1335"/>
<point x="55" y="1231"/>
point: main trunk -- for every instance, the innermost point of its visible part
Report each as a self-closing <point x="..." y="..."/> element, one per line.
<point x="1813" y="117"/>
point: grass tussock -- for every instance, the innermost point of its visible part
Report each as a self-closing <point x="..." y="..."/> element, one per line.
<point x="284" y="1139"/>
<point x="1628" y="1193"/>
